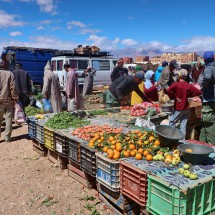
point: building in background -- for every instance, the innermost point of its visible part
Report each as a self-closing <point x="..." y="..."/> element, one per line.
<point x="155" y="59"/>
<point x="141" y="59"/>
<point x="127" y="60"/>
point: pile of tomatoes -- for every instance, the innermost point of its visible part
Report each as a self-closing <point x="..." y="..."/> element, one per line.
<point x="137" y="143"/>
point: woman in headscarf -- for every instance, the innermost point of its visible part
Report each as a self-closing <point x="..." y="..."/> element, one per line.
<point x="51" y="88"/>
<point x="150" y="88"/>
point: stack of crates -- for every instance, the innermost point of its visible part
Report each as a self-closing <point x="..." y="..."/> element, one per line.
<point x="32" y="127"/>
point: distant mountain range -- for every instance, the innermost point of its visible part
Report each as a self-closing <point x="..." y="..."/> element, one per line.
<point x="134" y="52"/>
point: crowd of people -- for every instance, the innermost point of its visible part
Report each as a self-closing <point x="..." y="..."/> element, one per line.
<point x="129" y="86"/>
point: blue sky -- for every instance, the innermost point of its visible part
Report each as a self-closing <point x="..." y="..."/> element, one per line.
<point x="141" y="26"/>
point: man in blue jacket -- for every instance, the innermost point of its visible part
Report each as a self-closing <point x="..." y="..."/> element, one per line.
<point x="207" y="82"/>
<point x="159" y="70"/>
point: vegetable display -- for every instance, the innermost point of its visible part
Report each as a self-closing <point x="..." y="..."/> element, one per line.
<point x="31" y="111"/>
<point x="65" y="120"/>
<point x="98" y="112"/>
<point x="144" y="109"/>
<point x="87" y="132"/>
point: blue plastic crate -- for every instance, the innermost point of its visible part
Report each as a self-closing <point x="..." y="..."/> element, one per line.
<point x="108" y="172"/>
<point x="32" y="127"/>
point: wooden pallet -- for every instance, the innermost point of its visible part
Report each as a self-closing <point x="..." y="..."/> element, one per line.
<point x="118" y="210"/>
<point x="58" y="160"/>
<point x="39" y="148"/>
<point x="82" y="177"/>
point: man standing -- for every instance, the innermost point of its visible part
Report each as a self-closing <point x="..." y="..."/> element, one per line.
<point x="182" y="90"/>
<point x="118" y="71"/>
<point x="51" y="88"/>
<point x="8" y="97"/>
<point x="159" y="70"/>
<point x="23" y="85"/>
<point x="197" y="70"/>
<point x="121" y="88"/>
<point x="166" y="78"/>
<point x="72" y="88"/>
<point x="88" y="80"/>
<point x="207" y="82"/>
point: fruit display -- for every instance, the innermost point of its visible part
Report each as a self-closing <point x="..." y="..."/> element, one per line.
<point x="65" y="120"/>
<point x="145" y="108"/>
<point x="39" y="116"/>
<point x="125" y="108"/>
<point x="140" y="144"/>
<point x="185" y="171"/>
<point x="90" y="131"/>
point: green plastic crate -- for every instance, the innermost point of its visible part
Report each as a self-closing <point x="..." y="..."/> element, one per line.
<point x="164" y="199"/>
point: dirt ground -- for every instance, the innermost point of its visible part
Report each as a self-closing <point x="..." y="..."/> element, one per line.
<point x="31" y="184"/>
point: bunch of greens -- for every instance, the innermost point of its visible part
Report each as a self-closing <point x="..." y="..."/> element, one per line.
<point x="31" y="111"/>
<point x="98" y="112"/>
<point x="39" y="96"/>
<point x="65" y="120"/>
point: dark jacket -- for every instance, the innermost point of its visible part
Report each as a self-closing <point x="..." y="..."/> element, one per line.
<point x="196" y="73"/>
<point x="124" y="85"/>
<point x="207" y="82"/>
<point x="118" y="72"/>
<point x="22" y="81"/>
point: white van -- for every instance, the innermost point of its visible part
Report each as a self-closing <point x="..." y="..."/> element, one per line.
<point x="103" y="65"/>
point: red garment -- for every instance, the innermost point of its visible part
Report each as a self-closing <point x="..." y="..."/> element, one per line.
<point x="151" y="93"/>
<point x="196" y="73"/>
<point x="182" y="90"/>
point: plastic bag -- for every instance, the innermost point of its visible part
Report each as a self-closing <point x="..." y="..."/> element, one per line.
<point x="163" y="97"/>
<point x="19" y="115"/>
<point x="47" y="105"/>
<point x="145" y="123"/>
<point x="39" y="104"/>
<point x="71" y="106"/>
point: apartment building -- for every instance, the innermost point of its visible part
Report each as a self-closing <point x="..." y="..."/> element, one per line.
<point x="141" y="59"/>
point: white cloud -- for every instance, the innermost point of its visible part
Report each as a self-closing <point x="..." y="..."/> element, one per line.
<point x="76" y="23"/>
<point x="15" y="33"/>
<point x="55" y="28"/>
<point x="40" y="27"/>
<point x="89" y="31"/>
<point x="129" y="42"/>
<point x="9" y="20"/>
<point x="117" y="40"/>
<point x="47" y="6"/>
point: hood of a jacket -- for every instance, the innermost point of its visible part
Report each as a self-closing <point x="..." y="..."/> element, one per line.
<point x="160" y="69"/>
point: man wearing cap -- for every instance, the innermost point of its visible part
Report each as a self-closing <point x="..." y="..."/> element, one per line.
<point x="122" y="87"/>
<point x="196" y="71"/>
<point x="118" y="71"/>
<point x="23" y="85"/>
<point x="166" y="78"/>
<point x="207" y="82"/>
<point x="159" y="70"/>
<point x="181" y="91"/>
<point x="8" y="97"/>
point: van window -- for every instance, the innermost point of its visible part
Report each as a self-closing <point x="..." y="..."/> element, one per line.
<point x="79" y="64"/>
<point x="59" y="65"/>
<point x="101" y="64"/>
<point x="54" y="65"/>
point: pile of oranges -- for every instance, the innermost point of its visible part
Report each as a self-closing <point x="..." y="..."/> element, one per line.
<point x="136" y="143"/>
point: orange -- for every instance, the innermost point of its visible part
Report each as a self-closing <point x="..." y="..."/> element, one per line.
<point x="149" y="150"/>
<point x="139" y="134"/>
<point x="105" y="149"/>
<point x="113" y="142"/>
<point x="116" y="156"/>
<point x="110" y="156"/>
<point x="113" y="146"/>
<point x="111" y="138"/>
<point x="118" y="144"/>
<point x="119" y="148"/>
<point x="132" y="146"/>
<point x="99" y="141"/>
<point x="168" y="156"/>
<point x="149" y="157"/>
<point x="126" y="154"/>
<point x="157" y="142"/>
<point x="91" y="144"/>
<point x="140" y="151"/>
<point x="139" y="142"/>
<point x="151" y="138"/>
<point x="132" y="153"/>
<point x="139" y="156"/>
<point x="145" y="153"/>
<point x="110" y="151"/>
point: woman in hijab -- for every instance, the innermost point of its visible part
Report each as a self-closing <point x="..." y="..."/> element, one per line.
<point x="150" y="88"/>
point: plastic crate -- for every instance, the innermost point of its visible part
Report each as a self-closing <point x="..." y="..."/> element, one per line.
<point x="88" y="160"/>
<point x="74" y="150"/>
<point x="164" y="199"/>
<point x="39" y="133"/>
<point x="133" y="183"/>
<point x="32" y="127"/>
<point x="49" y="138"/>
<point x="108" y="172"/>
<point x="61" y="144"/>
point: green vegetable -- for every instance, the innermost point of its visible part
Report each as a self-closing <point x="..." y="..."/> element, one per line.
<point x="31" y="111"/>
<point x="39" y="96"/>
<point x="64" y="120"/>
<point x="98" y="112"/>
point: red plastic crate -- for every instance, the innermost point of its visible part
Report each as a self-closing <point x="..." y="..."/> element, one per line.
<point x="200" y="143"/>
<point x="134" y="183"/>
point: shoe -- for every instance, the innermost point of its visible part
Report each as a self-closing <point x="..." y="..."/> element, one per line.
<point x="8" y="140"/>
